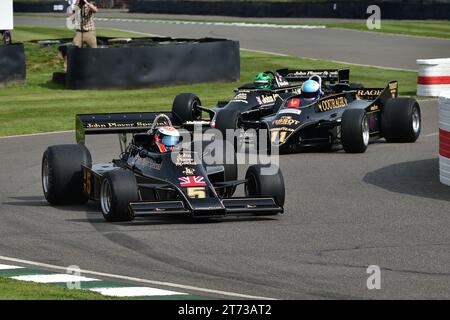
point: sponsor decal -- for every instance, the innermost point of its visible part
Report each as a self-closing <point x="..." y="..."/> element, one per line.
<point x="192" y="181"/>
<point x="240" y="97"/>
<point x="292" y="111"/>
<point x="285" y="121"/>
<point x="281" y="81"/>
<point x="368" y="92"/>
<point x="188" y="171"/>
<point x="283" y="129"/>
<point x="332" y="103"/>
<point x="197" y="122"/>
<point x="264" y="99"/>
<point x="117" y="125"/>
<point x="184" y="159"/>
<point x="294" y="103"/>
<point x="308" y="73"/>
<point x="374" y="108"/>
<point x="393" y="88"/>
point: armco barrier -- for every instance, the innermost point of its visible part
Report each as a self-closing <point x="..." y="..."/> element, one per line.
<point x="330" y="9"/>
<point x="12" y="64"/>
<point x="434" y="77"/>
<point x="444" y="139"/>
<point x="165" y="63"/>
<point x="41" y="6"/>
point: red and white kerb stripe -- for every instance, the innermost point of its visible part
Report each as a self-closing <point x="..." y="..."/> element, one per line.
<point x="434" y="77"/>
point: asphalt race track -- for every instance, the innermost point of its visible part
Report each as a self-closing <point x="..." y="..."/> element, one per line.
<point x="333" y="44"/>
<point x="344" y="212"/>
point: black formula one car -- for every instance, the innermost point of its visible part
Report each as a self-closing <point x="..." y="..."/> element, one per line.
<point x="254" y="103"/>
<point x="342" y="116"/>
<point x="142" y="181"/>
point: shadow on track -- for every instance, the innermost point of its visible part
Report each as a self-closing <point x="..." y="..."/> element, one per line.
<point x="417" y="178"/>
<point x="94" y="216"/>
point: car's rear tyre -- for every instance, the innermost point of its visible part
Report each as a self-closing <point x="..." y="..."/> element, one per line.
<point x="355" y="132"/>
<point x="118" y="189"/>
<point x="259" y="185"/>
<point x="401" y="120"/>
<point x="184" y="107"/>
<point x="62" y="180"/>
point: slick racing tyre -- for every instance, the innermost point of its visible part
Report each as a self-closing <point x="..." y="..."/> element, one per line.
<point x="231" y="174"/>
<point x="401" y="120"/>
<point x="184" y="107"/>
<point x="118" y="189"/>
<point x="62" y="179"/>
<point x="259" y="185"/>
<point x="355" y="132"/>
<point x="229" y="119"/>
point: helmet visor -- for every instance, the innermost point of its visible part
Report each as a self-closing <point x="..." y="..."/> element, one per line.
<point x="310" y="95"/>
<point x="170" y="141"/>
<point x="262" y="84"/>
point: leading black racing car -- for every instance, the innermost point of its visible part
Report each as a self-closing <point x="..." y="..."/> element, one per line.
<point x="146" y="181"/>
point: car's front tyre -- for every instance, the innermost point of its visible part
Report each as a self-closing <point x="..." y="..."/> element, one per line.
<point x="118" y="189"/>
<point x="184" y="107"/>
<point x="355" y="132"/>
<point x="260" y="184"/>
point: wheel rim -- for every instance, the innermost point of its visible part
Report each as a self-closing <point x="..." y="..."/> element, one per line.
<point x="365" y="130"/>
<point x="45" y="179"/>
<point x="105" y="197"/>
<point x="196" y="114"/>
<point x="416" y="120"/>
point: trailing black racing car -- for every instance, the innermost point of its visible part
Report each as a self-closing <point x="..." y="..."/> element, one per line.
<point x="261" y="98"/>
<point x="145" y="180"/>
<point x="351" y="118"/>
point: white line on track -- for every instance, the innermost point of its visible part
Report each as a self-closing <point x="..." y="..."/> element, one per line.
<point x="153" y="282"/>
<point x="221" y="24"/>
<point x="35" y="134"/>
<point x="431" y="134"/>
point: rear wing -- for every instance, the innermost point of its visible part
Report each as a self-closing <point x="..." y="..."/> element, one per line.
<point x="107" y="123"/>
<point x="390" y="91"/>
<point x="327" y="75"/>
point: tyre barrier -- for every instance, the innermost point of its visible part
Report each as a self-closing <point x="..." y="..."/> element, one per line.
<point x="12" y="64"/>
<point x="434" y="77"/>
<point x="444" y="139"/>
<point x="149" y="62"/>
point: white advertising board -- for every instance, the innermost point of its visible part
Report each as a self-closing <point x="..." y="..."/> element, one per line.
<point x="6" y="15"/>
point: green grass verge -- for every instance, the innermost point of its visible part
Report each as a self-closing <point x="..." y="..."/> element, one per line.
<point x="21" y="290"/>
<point x="42" y="106"/>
